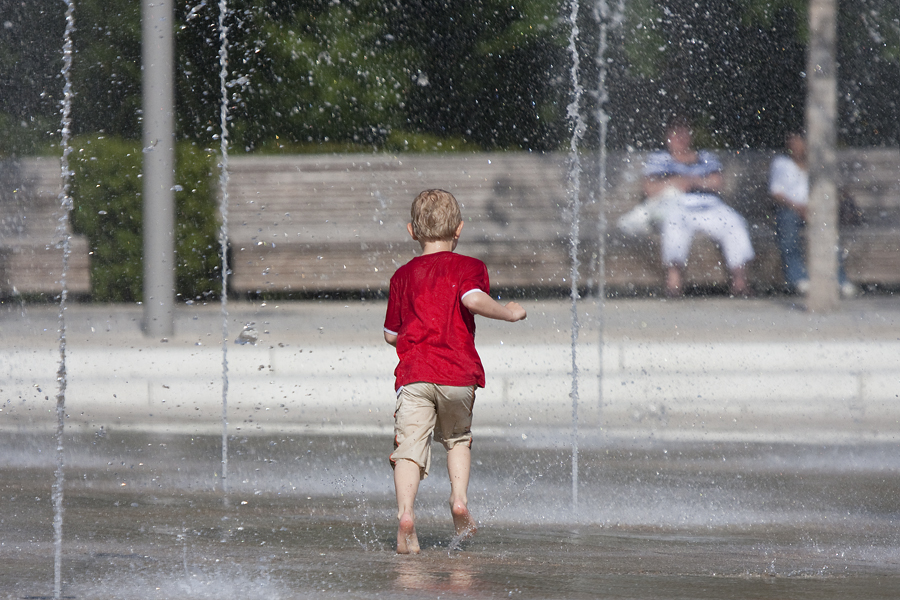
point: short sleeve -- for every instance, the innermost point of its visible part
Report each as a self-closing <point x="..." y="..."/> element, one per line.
<point x="777" y="176"/>
<point x="474" y="277"/>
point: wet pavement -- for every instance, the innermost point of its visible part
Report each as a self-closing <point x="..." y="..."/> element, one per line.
<point x="786" y="491"/>
<point x="313" y="517"/>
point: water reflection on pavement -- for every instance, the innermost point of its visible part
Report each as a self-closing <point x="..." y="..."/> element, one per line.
<point x="312" y="516"/>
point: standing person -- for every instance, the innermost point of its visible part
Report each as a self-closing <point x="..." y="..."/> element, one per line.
<point x="431" y="321"/>
<point x="789" y="188"/>
<point x="696" y="179"/>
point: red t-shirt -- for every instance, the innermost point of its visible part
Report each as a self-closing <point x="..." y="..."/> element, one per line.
<point x="435" y="331"/>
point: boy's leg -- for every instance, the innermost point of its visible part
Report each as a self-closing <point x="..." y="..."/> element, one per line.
<point x="459" y="460"/>
<point x="414" y="420"/>
<point x="454" y="429"/>
<point x="406" y="484"/>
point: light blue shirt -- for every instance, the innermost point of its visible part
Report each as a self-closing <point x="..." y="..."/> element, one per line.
<point x="661" y="164"/>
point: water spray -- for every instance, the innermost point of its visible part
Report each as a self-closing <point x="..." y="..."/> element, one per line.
<point x="602" y="19"/>
<point x="575" y="117"/>
<point x="62" y="231"/>
<point x="223" y="230"/>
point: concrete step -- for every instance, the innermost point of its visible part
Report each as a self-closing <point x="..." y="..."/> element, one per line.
<point x="664" y="388"/>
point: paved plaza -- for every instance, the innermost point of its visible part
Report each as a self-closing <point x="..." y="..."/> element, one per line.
<point x="758" y="369"/>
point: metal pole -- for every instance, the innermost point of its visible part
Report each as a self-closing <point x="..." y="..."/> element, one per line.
<point x="821" y="126"/>
<point x="159" y="166"/>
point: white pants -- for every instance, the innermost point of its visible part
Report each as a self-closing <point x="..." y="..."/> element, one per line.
<point x="714" y="218"/>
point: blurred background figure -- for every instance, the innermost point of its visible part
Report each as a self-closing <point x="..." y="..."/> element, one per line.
<point x="692" y="180"/>
<point x="789" y="188"/>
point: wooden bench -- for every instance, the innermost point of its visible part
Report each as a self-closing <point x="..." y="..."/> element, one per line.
<point x="337" y="223"/>
<point x="317" y="223"/>
<point x="311" y="223"/>
<point x="31" y="252"/>
<point x="872" y="178"/>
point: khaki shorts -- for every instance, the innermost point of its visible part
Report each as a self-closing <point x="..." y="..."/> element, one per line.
<point x="426" y="410"/>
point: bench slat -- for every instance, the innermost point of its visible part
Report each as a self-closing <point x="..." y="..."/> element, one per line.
<point x="30" y="252"/>
<point x="322" y="218"/>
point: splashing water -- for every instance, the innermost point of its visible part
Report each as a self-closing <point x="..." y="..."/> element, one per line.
<point x="507" y="501"/>
<point x="575" y="116"/>
<point x="248" y="335"/>
<point x="65" y="199"/>
<point x="223" y="231"/>
<point x="192" y="14"/>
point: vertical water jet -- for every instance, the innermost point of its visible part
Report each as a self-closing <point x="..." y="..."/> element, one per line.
<point x="601" y="14"/>
<point x="62" y="231"/>
<point x="576" y="118"/>
<point x="223" y="229"/>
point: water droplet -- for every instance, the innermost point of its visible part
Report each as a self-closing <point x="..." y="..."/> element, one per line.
<point x="248" y="336"/>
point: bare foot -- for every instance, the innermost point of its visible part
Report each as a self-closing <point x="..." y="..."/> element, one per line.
<point x="407" y="541"/>
<point x="463" y="521"/>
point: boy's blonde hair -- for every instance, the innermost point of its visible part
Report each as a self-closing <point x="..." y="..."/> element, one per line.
<point x="435" y="216"/>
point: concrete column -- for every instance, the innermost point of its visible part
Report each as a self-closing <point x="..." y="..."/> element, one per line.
<point x="157" y="19"/>
<point x="821" y="127"/>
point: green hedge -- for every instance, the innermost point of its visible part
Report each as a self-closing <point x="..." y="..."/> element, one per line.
<point x="106" y="191"/>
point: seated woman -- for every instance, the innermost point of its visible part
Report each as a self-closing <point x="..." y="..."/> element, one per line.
<point x="695" y="178"/>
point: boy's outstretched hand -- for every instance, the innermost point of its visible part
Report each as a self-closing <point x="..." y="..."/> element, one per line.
<point x="518" y="313"/>
<point x="481" y="304"/>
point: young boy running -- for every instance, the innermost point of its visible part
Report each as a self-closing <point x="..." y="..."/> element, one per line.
<point x="431" y="321"/>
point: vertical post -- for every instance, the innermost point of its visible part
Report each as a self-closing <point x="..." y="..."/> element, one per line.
<point x="821" y="125"/>
<point x="159" y="166"/>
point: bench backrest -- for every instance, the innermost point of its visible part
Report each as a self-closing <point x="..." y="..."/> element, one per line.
<point x="29" y="200"/>
<point x="338" y="221"/>
<point x="352" y="198"/>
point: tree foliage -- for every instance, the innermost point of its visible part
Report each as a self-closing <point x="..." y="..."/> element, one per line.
<point x="108" y="210"/>
<point x="372" y="75"/>
<point x="332" y="75"/>
<point x="29" y="65"/>
<point x="739" y="69"/>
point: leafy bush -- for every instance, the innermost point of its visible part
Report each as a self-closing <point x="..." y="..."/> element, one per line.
<point x="25" y="138"/>
<point x="107" y="190"/>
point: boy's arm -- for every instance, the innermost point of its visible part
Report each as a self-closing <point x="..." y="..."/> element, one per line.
<point x="390" y="338"/>
<point x="483" y="305"/>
